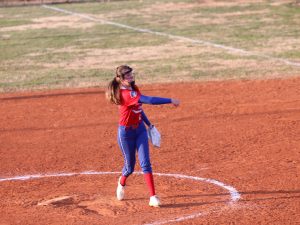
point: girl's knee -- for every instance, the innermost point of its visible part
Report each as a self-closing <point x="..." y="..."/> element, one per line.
<point x="128" y="171"/>
<point x="146" y="167"/>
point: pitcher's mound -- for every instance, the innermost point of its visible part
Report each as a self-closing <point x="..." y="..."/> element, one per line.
<point x="61" y="200"/>
<point x="105" y="206"/>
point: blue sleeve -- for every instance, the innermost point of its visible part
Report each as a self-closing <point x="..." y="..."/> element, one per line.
<point x="145" y="119"/>
<point x="154" y="100"/>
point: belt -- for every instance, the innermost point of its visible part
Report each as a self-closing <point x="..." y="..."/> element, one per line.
<point x="134" y="126"/>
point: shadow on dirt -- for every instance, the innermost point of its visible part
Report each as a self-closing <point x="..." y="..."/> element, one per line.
<point x="51" y="95"/>
<point x="245" y="197"/>
<point x="30" y="129"/>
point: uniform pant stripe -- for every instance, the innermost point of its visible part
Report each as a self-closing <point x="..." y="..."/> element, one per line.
<point x="123" y="151"/>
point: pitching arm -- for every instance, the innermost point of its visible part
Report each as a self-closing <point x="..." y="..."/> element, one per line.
<point x="154" y="100"/>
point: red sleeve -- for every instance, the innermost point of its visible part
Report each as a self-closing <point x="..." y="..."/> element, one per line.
<point x="129" y="98"/>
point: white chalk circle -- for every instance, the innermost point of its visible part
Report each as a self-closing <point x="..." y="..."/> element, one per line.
<point x="234" y="194"/>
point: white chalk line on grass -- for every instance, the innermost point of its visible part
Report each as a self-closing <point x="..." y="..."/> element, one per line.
<point x="182" y="38"/>
<point x="234" y="194"/>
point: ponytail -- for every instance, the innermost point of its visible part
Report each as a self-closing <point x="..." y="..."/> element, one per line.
<point x="113" y="91"/>
<point x="113" y="88"/>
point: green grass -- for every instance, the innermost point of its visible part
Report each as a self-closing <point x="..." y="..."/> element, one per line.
<point x="44" y="58"/>
<point x="10" y="22"/>
<point x="54" y="78"/>
<point x="21" y="13"/>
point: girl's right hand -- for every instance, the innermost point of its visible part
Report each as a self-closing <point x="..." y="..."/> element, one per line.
<point x="175" y="102"/>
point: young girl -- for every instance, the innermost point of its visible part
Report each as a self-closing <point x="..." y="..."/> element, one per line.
<point x="132" y="133"/>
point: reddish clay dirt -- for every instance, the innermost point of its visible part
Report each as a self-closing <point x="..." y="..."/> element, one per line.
<point x="242" y="133"/>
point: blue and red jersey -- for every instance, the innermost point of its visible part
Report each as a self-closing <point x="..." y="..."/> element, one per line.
<point x="131" y="112"/>
<point x="130" y="108"/>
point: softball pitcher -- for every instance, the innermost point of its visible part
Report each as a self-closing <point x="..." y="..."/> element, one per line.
<point x="132" y="133"/>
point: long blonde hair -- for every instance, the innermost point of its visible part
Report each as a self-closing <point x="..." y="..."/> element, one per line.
<point x="113" y="88"/>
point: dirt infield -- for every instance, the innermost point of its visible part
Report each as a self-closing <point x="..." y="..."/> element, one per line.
<point x="242" y="133"/>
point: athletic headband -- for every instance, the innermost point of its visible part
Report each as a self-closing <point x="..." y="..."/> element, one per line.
<point x="126" y="72"/>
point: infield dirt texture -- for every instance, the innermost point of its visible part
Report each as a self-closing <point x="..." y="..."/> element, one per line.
<point x="238" y="124"/>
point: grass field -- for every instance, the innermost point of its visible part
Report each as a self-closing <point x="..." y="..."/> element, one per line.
<point x="43" y="48"/>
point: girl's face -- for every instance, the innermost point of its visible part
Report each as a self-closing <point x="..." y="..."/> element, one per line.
<point x="128" y="78"/>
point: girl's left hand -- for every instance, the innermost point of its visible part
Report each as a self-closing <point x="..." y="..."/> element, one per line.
<point x="175" y="102"/>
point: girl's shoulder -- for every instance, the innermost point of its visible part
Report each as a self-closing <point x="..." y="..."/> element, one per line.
<point x="129" y="97"/>
<point x="129" y="92"/>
